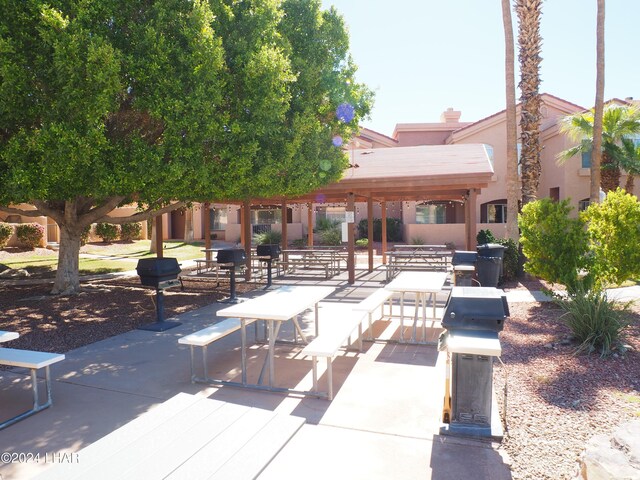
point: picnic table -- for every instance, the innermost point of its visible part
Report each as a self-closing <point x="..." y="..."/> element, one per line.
<point x="418" y="257"/>
<point x="422" y="284"/>
<point x="313" y="258"/>
<point x="275" y="307"/>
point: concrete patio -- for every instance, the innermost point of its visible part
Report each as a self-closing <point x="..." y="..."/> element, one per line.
<point x="383" y="422"/>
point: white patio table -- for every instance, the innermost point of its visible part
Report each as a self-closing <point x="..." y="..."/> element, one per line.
<point x="275" y="307"/>
<point x="6" y="336"/>
<point x="421" y="284"/>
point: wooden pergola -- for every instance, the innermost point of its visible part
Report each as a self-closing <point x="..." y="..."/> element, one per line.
<point x="432" y="172"/>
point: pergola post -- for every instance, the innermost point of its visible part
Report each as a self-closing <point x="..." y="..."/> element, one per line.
<point x="370" y="232"/>
<point x="206" y="221"/>
<point x="285" y="242"/>
<point x="383" y="213"/>
<point x="159" y="235"/>
<point x="351" y="259"/>
<point x="310" y="225"/>
<point x="246" y="228"/>
<point x="471" y="219"/>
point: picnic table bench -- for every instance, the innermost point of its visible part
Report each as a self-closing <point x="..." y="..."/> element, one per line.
<point x="418" y="259"/>
<point x="187" y="436"/>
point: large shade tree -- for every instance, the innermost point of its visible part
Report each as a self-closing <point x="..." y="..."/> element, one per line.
<point x="618" y="122"/>
<point x="529" y="43"/>
<point x="119" y="101"/>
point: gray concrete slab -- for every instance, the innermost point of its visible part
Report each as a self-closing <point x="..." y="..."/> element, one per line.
<point x="383" y="422"/>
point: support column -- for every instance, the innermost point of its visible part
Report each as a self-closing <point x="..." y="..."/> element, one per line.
<point x="246" y="229"/>
<point x="351" y="259"/>
<point x="383" y="212"/>
<point x="159" y="235"/>
<point x="310" y="225"/>
<point x="470" y="218"/>
<point x="285" y="241"/>
<point x="370" y="232"/>
<point x="206" y="225"/>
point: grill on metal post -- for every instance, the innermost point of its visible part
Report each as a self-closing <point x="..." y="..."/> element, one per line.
<point x="464" y="266"/>
<point x="268" y="252"/>
<point x="231" y="259"/>
<point x="473" y="316"/>
<point x="160" y="273"/>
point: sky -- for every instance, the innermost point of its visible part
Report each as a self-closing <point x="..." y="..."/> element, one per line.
<point x="424" y="56"/>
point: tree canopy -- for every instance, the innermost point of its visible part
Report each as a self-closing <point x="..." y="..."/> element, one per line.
<point x="106" y="103"/>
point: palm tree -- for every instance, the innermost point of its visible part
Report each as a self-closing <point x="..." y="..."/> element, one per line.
<point x="513" y="192"/>
<point x="596" y="157"/>
<point x="628" y="156"/>
<point x="529" y="41"/>
<point x="618" y="122"/>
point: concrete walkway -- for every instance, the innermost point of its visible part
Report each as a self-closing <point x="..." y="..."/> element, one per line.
<point x="383" y="422"/>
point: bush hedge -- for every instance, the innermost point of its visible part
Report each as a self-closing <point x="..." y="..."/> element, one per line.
<point x="394" y="229"/>
<point x="108" y="232"/>
<point x="6" y="231"/>
<point x="130" y="231"/>
<point x="30" y="235"/>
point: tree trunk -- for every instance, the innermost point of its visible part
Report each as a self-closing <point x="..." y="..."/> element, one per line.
<point x="154" y="233"/>
<point x="529" y="41"/>
<point x="513" y="192"/>
<point x="67" y="280"/>
<point x="597" y="158"/>
<point x="629" y="185"/>
<point x="188" y="225"/>
<point x="610" y="173"/>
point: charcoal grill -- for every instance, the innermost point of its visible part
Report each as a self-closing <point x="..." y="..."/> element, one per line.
<point x="473" y="317"/>
<point x="464" y="266"/>
<point x="268" y="253"/>
<point x="159" y="273"/>
<point x="231" y="259"/>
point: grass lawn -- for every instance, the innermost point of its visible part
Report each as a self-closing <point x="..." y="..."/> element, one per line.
<point x="114" y="257"/>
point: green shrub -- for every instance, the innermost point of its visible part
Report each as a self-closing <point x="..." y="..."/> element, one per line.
<point x="485" y="236"/>
<point x="108" y="232"/>
<point x="394" y="229"/>
<point x="417" y="241"/>
<point x="596" y="322"/>
<point x="267" y="238"/>
<point x="362" y="242"/>
<point x="6" y="231"/>
<point x="84" y="236"/>
<point x="614" y="235"/>
<point x="299" y="242"/>
<point x="554" y="244"/>
<point x="323" y="224"/>
<point x="332" y="237"/>
<point x="30" y="235"/>
<point x="510" y="259"/>
<point x="130" y="231"/>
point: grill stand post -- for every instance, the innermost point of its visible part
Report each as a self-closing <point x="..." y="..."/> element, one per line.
<point x="160" y="324"/>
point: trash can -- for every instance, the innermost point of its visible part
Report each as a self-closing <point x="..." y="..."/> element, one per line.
<point x="489" y="264"/>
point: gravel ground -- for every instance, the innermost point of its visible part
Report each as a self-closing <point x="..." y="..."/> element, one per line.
<point x="555" y="401"/>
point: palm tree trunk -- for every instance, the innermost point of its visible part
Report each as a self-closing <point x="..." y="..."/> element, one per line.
<point x="605" y="176"/>
<point x="629" y="185"/>
<point x="529" y="41"/>
<point x="609" y="172"/>
<point x="513" y="192"/>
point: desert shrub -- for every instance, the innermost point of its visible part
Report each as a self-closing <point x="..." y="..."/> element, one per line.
<point x="485" y="236"/>
<point x="362" y="242"/>
<point x="596" y="322"/>
<point x="417" y="241"/>
<point x="554" y="244"/>
<point x="271" y="237"/>
<point x="84" y="236"/>
<point x="6" y="231"/>
<point x="299" y="243"/>
<point x="614" y="235"/>
<point x="108" y="232"/>
<point x="30" y="235"/>
<point x="394" y="229"/>
<point x="130" y="231"/>
<point x="331" y="237"/>
<point x="323" y="224"/>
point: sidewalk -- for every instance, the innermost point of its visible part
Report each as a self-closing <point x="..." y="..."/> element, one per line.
<point x="383" y="423"/>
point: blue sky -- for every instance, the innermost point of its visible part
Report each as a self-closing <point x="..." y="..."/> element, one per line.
<point x="423" y="56"/>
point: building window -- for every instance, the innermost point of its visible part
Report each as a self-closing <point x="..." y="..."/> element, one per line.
<point x="494" y="212"/>
<point x="489" y="149"/>
<point x="583" y="204"/>
<point x="266" y="216"/>
<point x="218" y="218"/>
<point x="586" y="159"/>
<point x="431" y="213"/>
<point x="332" y="214"/>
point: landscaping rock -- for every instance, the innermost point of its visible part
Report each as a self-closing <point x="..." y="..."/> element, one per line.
<point x="613" y="457"/>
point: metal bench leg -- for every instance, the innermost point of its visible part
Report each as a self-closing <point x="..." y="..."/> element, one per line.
<point x="37" y="407"/>
<point x="330" y="378"/>
<point x="191" y="365"/>
<point x="314" y="365"/>
<point x="204" y="362"/>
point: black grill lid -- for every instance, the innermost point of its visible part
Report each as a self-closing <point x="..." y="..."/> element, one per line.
<point x="155" y="270"/>
<point x="476" y="308"/>
<point x="268" y="250"/>
<point x="463" y="257"/>
<point x="237" y="256"/>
